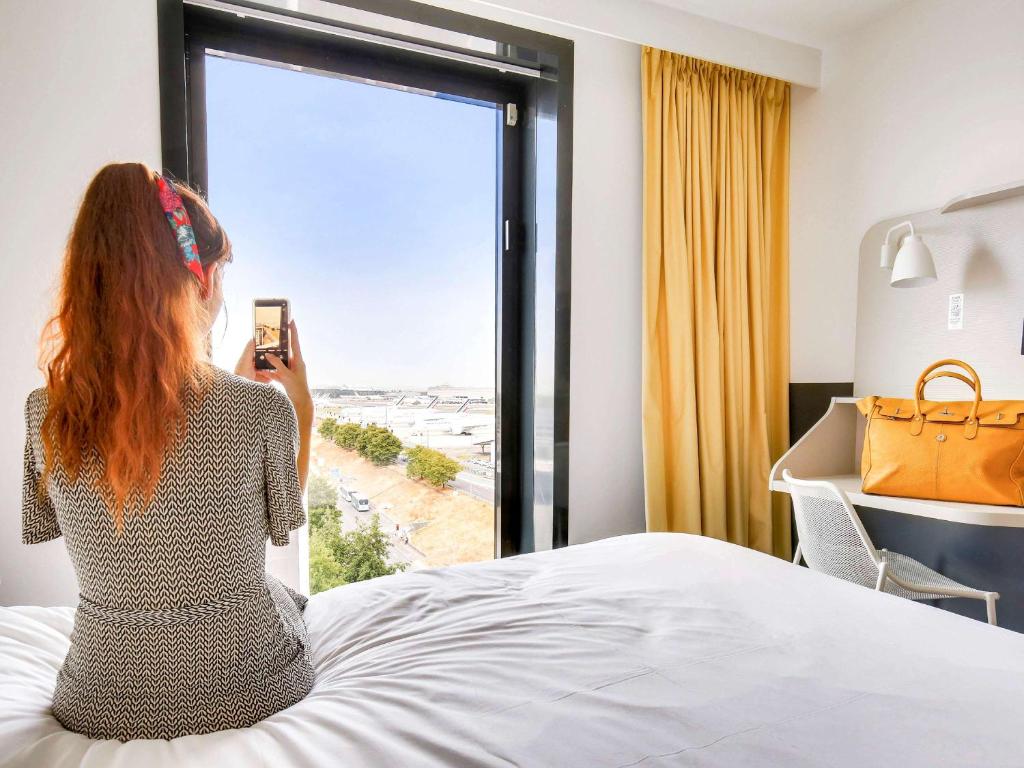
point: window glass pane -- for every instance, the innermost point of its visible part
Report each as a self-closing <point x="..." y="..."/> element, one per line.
<point x="373" y="211"/>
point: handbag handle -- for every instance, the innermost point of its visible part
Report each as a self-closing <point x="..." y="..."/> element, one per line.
<point x="971" y="427"/>
<point x="939" y="375"/>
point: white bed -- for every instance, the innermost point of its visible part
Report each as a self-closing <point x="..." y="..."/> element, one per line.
<point x="648" y="650"/>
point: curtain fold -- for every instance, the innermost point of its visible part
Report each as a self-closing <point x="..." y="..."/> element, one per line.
<point x="716" y="299"/>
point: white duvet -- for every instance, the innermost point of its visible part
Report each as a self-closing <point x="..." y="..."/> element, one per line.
<point x="648" y="650"/>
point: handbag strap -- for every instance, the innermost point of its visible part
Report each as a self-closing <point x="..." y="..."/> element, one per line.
<point x="974" y="382"/>
<point x="941" y="374"/>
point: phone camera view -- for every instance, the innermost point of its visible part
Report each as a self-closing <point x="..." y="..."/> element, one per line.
<point x="268" y="327"/>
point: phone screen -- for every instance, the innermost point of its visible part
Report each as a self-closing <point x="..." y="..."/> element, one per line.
<point x="270" y="330"/>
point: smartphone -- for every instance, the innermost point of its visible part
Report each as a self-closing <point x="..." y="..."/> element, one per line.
<point x="270" y="330"/>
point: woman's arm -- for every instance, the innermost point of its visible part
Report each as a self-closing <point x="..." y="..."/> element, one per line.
<point x="305" y="438"/>
<point x="293" y="378"/>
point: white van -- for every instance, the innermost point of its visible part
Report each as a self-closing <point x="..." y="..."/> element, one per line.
<point x="360" y="501"/>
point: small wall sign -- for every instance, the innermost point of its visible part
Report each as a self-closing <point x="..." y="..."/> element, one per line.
<point x="956" y="312"/>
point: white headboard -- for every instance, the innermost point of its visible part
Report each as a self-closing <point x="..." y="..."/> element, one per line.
<point x="979" y="252"/>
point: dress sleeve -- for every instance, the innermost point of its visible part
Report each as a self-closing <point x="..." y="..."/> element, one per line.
<point x="283" y="495"/>
<point x="38" y="518"/>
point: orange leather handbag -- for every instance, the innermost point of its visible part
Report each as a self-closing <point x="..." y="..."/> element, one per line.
<point x="969" y="451"/>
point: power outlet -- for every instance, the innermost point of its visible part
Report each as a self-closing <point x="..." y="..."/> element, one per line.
<point x="956" y="312"/>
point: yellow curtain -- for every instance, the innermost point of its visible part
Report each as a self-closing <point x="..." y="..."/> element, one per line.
<point x="716" y="299"/>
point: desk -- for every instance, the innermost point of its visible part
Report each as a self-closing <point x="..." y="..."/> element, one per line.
<point x="981" y="545"/>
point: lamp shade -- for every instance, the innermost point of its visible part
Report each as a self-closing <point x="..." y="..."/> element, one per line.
<point x="914" y="265"/>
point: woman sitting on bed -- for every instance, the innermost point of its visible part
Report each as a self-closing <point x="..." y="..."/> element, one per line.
<point x="165" y="475"/>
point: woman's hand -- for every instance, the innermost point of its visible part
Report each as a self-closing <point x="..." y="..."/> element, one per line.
<point x="246" y="365"/>
<point x="292" y="377"/>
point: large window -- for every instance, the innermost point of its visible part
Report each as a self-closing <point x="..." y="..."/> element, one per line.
<point x="372" y="209"/>
<point x="412" y="204"/>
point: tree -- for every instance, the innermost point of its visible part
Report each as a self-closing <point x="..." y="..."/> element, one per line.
<point x="324" y="531"/>
<point x="430" y="465"/>
<point x="365" y="436"/>
<point x="325" y="572"/>
<point x="347" y="436"/>
<point x="326" y="428"/>
<point x="362" y="553"/>
<point x="337" y="558"/>
<point x="325" y="516"/>
<point x="322" y="492"/>
<point x="379" y="445"/>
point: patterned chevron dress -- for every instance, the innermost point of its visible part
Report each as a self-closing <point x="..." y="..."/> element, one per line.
<point x="179" y="630"/>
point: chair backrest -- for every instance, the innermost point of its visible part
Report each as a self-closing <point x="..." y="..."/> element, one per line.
<point x="832" y="537"/>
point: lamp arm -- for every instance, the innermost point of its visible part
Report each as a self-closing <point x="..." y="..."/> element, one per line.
<point x="894" y="227"/>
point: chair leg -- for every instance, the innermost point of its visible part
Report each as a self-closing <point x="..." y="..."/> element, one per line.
<point x="883" y="570"/>
<point x="797" y="555"/>
<point x="990" y="604"/>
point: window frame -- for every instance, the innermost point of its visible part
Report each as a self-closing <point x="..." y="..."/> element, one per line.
<point x="186" y="32"/>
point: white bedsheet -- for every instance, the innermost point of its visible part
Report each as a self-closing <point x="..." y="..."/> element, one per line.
<point x="647" y="650"/>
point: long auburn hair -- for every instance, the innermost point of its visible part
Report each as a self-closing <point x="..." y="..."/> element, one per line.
<point x="125" y="348"/>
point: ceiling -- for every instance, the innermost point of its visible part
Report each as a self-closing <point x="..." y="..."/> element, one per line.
<point x="809" y="22"/>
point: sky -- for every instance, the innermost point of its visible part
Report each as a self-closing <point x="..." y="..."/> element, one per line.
<point x="371" y="209"/>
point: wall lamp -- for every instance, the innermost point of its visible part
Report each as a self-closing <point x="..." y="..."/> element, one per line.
<point x="911" y="262"/>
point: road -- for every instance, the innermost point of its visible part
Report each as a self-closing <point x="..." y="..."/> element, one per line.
<point x="400" y="551"/>
<point x="475" y="485"/>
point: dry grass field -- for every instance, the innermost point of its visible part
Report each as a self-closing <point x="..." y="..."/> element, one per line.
<point x="460" y="527"/>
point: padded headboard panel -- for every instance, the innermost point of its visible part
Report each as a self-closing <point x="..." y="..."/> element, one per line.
<point x="978" y="252"/>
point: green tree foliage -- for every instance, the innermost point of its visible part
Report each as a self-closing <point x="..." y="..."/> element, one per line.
<point x="430" y="465"/>
<point x="369" y="432"/>
<point x="379" y="445"/>
<point x="326" y="428"/>
<point x="347" y="436"/>
<point x="324" y="532"/>
<point x="325" y="572"/>
<point x="327" y="516"/>
<point x="363" y="553"/>
<point x="322" y="493"/>
<point x="337" y="558"/>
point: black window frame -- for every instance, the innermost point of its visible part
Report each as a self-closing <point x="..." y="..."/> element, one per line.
<point x="186" y="32"/>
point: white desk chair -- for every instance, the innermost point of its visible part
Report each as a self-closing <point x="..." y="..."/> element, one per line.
<point x="833" y="541"/>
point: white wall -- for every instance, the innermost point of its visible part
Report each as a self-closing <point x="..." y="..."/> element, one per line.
<point x="78" y="88"/>
<point x="914" y="109"/>
<point x="672" y="29"/>
<point x="606" y="492"/>
<point x="977" y="253"/>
